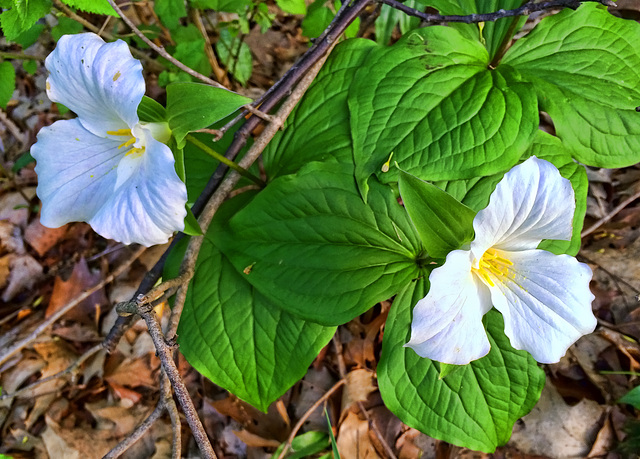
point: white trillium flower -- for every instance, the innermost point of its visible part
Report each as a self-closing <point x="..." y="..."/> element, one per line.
<point x="106" y="167"/>
<point x="544" y="298"/>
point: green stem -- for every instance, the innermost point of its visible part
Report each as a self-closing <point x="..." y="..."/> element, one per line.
<point x="214" y="154"/>
<point x="7" y="55"/>
<point x="506" y="41"/>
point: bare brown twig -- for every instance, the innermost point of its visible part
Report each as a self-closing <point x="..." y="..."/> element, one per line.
<point x="162" y="51"/>
<point x="610" y="215"/>
<point x="306" y="415"/>
<point x="524" y="10"/>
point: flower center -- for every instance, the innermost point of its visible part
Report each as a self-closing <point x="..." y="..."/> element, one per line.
<point x="127" y="143"/>
<point x="492" y="264"/>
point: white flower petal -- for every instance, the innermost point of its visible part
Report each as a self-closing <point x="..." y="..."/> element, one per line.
<point x="531" y="203"/>
<point x="447" y="323"/>
<point x="76" y="172"/>
<point x="101" y="82"/>
<point x="547" y="303"/>
<point x="149" y="205"/>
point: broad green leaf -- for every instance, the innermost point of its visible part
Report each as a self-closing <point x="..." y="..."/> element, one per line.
<point x="292" y="6"/>
<point x="477" y="405"/>
<point x="304" y="445"/>
<point x="312" y="246"/>
<point x="66" y="26"/>
<point x="316" y="21"/>
<point x="632" y="398"/>
<point x="546" y="146"/>
<point x="229" y="6"/>
<point x="7" y="82"/>
<point x="193" y="106"/>
<point x="151" y="111"/>
<point x="442" y="222"/>
<point x="431" y="101"/>
<point x="585" y="69"/>
<point x="318" y="128"/>
<point x="92" y="6"/>
<point x="190" y="48"/>
<point x="29" y="36"/>
<point x="491" y="34"/>
<point x="22" y="16"/>
<point x="236" y="337"/>
<point x="235" y="55"/>
<point x="30" y="66"/>
<point x="170" y="12"/>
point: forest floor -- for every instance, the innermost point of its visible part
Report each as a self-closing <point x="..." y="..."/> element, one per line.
<point x="86" y="413"/>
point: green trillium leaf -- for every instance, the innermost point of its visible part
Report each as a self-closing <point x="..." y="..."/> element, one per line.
<point x="474" y="406"/>
<point x="442" y="222"/>
<point x="318" y="129"/>
<point x="492" y="34"/>
<point x="235" y="336"/>
<point x="585" y="68"/>
<point x="193" y="106"/>
<point x="432" y="101"/>
<point x="310" y="244"/>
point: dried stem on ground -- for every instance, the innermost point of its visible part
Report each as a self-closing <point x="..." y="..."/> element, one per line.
<point x="610" y="215"/>
<point x="306" y="415"/>
<point x="161" y="50"/>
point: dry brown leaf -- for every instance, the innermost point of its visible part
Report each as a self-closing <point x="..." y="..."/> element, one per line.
<point x="353" y="439"/>
<point x="14" y="208"/>
<point x="10" y="238"/>
<point x="56" y="445"/>
<point x="134" y="373"/>
<point x="360" y="383"/>
<point x="12" y="379"/>
<point x="251" y="439"/>
<point x="605" y="441"/>
<point x="116" y="419"/>
<point x="269" y="425"/>
<point x="556" y="429"/>
<point x="25" y="271"/>
<point x="81" y="279"/>
<point x="127" y="397"/>
<point x="42" y="238"/>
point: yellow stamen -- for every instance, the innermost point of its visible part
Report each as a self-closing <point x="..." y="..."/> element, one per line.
<point x="131" y="141"/>
<point x="122" y="132"/>
<point x="493" y="265"/>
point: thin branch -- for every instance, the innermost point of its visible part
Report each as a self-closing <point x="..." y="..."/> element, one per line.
<point x="218" y="71"/>
<point x="345" y="16"/>
<point x="214" y="154"/>
<point x="170" y="405"/>
<point x="17" y="347"/>
<point x="164" y="352"/>
<point x="137" y="434"/>
<point x="191" y="255"/>
<point x="151" y="277"/>
<point x="161" y="51"/>
<point x="610" y="215"/>
<point x="12" y="128"/>
<point x="21" y="56"/>
<point x="524" y="10"/>
<point x="306" y="415"/>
